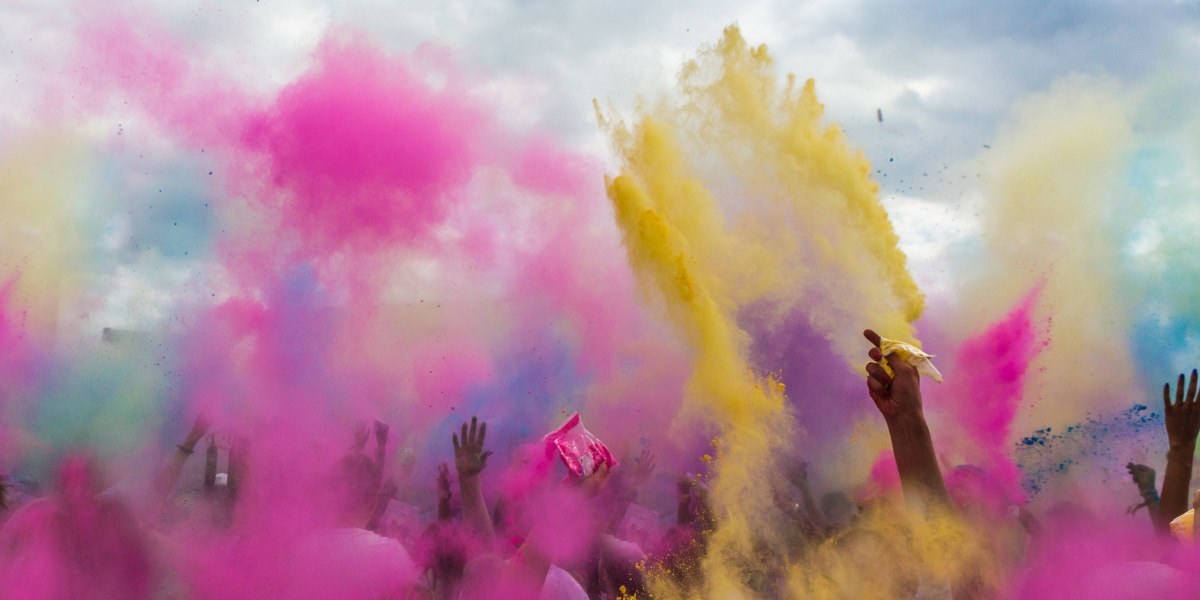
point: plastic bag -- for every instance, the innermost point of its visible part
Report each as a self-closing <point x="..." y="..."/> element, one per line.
<point x="909" y="354"/>
<point x="1181" y="527"/>
<point x="579" y="450"/>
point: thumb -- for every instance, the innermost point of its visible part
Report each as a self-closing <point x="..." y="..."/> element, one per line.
<point x="897" y="364"/>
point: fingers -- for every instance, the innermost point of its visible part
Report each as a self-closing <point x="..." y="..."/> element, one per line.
<point x="1191" y="394"/>
<point x="872" y="337"/>
<point x="877" y="374"/>
<point x="1166" y="397"/>
<point x="875" y="354"/>
<point x="474" y="428"/>
<point x="897" y="364"/>
<point x="875" y="387"/>
<point x="482" y="433"/>
<point x="457" y="448"/>
<point x="1179" y="391"/>
<point x="463" y="436"/>
<point x="483" y="458"/>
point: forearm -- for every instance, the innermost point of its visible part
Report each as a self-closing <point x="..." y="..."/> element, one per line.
<point x="916" y="461"/>
<point x="168" y="476"/>
<point x="1178" y="477"/>
<point x="210" y="468"/>
<point x="475" y="511"/>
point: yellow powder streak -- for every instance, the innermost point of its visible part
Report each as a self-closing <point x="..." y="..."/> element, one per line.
<point x="811" y="233"/>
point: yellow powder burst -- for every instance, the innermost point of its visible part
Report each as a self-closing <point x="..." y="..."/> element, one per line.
<point x="739" y="195"/>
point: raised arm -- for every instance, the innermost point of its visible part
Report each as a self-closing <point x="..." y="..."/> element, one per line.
<point x="168" y="476"/>
<point x="1182" y="419"/>
<point x="641" y="475"/>
<point x="898" y="399"/>
<point x="1144" y="477"/>
<point x="381" y="439"/>
<point x="470" y="460"/>
<point x="443" y="493"/>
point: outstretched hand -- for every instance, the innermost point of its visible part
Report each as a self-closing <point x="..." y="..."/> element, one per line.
<point x="1143" y="476"/>
<point x="381" y="433"/>
<point x="469" y="457"/>
<point x="1183" y="417"/>
<point x="895" y="396"/>
<point x="645" y="467"/>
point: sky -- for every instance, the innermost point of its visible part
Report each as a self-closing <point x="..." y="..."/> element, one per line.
<point x="944" y="76"/>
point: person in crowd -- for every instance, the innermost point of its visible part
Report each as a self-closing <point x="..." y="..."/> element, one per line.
<point x="75" y="545"/>
<point x="1182" y="421"/>
<point x="345" y="559"/>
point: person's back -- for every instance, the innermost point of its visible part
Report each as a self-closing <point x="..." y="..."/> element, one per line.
<point x="346" y="561"/>
<point x="74" y="546"/>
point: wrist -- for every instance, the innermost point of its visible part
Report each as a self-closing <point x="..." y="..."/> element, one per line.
<point x="909" y="418"/>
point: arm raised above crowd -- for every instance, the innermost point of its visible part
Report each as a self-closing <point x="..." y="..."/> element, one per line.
<point x="898" y="399"/>
<point x="1182" y="419"/>
<point x="470" y="460"/>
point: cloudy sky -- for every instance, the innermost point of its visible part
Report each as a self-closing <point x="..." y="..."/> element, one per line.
<point x="943" y="74"/>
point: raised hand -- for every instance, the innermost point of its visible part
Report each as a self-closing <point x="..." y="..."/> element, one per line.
<point x="1183" y="417"/>
<point x="469" y="457"/>
<point x="1143" y="476"/>
<point x="645" y="467"/>
<point x="381" y="433"/>
<point x="593" y="484"/>
<point x="898" y="396"/>
<point x="443" y="483"/>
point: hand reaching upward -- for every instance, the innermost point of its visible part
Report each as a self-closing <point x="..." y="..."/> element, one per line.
<point x="469" y="457"/>
<point x="645" y="467"/>
<point x="898" y="396"/>
<point x="1183" y="417"/>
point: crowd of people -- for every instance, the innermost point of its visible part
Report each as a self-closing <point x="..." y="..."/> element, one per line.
<point x="543" y="539"/>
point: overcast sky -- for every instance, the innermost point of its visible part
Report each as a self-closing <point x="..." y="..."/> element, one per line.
<point x="944" y="73"/>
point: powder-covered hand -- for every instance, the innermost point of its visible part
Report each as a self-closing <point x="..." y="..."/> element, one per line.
<point x="897" y="396"/>
<point x="469" y="457"/>
<point x="1183" y="416"/>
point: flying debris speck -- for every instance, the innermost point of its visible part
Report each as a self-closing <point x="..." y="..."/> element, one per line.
<point x="879" y="114"/>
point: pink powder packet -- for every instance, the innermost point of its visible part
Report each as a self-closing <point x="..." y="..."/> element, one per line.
<point x="579" y="450"/>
